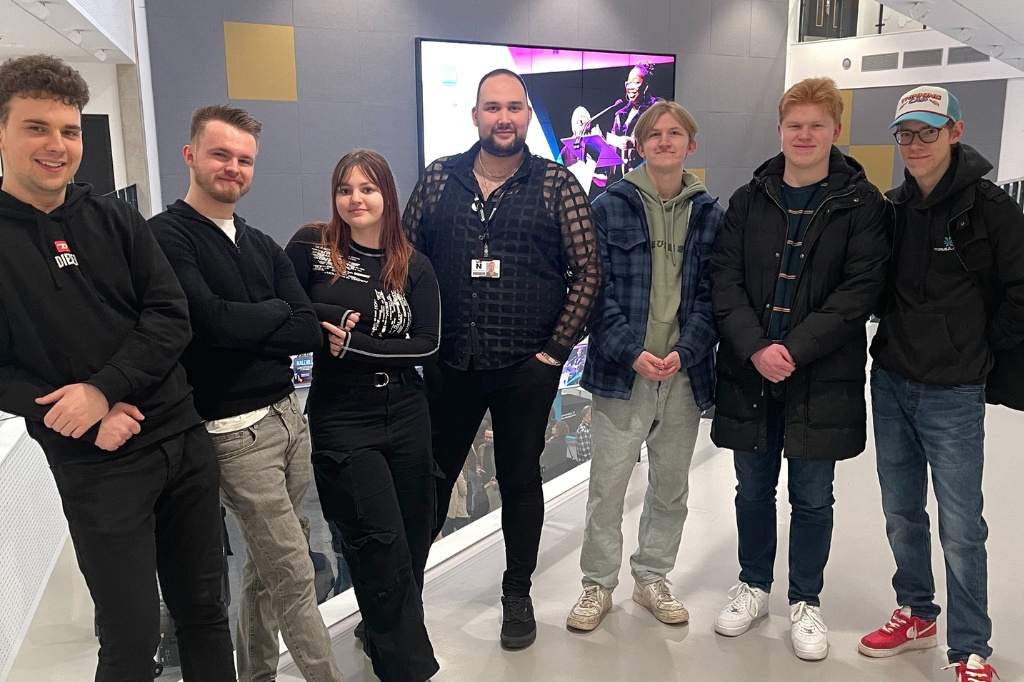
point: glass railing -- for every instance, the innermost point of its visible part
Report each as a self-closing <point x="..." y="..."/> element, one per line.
<point x="830" y="19"/>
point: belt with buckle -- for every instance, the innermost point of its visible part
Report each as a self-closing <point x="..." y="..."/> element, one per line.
<point x="375" y="380"/>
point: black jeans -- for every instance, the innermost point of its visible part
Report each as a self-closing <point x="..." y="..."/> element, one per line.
<point x="374" y="475"/>
<point x="810" y="528"/>
<point x="154" y="510"/>
<point x="520" y="399"/>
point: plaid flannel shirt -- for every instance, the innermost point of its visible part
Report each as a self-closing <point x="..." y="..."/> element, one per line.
<point x="619" y="325"/>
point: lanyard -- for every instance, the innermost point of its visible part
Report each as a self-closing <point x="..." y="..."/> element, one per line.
<point x="485" y="220"/>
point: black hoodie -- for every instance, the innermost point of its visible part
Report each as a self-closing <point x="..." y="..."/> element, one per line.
<point x="87" y="296"/>
<point x="249" y="312"/>
<point x="937" y="327"/>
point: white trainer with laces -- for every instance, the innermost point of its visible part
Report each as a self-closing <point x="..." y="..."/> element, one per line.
<point x="748" y="605"/>
<point x="656" y="598"/>
<point x="808" y="631"/>
<point x="589" y="609"/>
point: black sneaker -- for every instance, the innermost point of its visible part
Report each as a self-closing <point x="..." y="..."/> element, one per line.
<point x="518" y="627"/>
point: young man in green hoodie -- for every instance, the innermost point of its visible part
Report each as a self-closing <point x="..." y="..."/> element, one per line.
<point x="651" y="366"/>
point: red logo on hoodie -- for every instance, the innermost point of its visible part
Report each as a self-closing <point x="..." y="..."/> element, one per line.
<point x="62" y="247"/>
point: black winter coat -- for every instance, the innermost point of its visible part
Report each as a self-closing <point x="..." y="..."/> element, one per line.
<point x="841" y="276"/>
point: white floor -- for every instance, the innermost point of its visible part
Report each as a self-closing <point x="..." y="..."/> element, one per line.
<point x="462" y="595"/>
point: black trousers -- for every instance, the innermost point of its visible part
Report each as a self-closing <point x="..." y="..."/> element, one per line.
<point x="519" y="398"/>
<point x="147" y="512"/>
<point x="374" y="475"/>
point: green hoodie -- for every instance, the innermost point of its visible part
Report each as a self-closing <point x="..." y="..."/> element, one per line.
<point x="667" y="222"/>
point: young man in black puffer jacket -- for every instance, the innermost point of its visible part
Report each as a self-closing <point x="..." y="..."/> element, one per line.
<point x="956" y="302"/>
<point x="800" y="266"/>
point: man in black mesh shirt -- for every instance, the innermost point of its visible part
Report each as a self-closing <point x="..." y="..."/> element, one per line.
<point x="511" y="239"/>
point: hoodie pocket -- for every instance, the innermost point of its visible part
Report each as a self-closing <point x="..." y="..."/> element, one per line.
<point x="924" y="341"/>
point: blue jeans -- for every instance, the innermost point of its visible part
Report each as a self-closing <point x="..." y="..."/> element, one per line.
<point x="917" y="426"/>
<point x="810" y="531"/>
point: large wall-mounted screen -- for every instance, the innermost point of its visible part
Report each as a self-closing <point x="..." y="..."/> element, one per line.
<point x="585" y="103"/>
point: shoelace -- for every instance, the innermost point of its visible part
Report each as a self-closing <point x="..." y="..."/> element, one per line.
<point x="516" y="610"/>
<point x="743" y="599"/>
<point x="980" y="674"/>
<point x="897" y="621"/>
<point x="589" y="599"/>
<point x="808" y="618"/>
<point x="661" y="592"/>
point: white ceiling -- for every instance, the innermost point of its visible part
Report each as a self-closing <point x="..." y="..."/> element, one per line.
<point x="995" y="27"/>
<point x="22" y="33"/>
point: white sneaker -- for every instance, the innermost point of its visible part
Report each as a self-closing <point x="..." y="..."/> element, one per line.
<point x="656" y="598"/>
<point x="808" y="631"/>
<point x="590" y="608"/>
<point x="748" y="605"/>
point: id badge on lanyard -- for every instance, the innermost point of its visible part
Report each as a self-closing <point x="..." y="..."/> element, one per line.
<point x="485" y="267"/>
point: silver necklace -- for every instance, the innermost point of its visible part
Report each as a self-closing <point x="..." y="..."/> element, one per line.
<point x="491" y="176"/>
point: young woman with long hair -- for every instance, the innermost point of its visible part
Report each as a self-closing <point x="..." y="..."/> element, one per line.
<point x="367" y="408"/>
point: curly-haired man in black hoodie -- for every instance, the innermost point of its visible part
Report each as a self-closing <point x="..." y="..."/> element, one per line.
<point x="92" y="321"/>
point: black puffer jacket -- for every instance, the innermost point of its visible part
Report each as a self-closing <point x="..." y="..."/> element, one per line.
<point x="956" y="307"/>
<point x="841" y="276"/>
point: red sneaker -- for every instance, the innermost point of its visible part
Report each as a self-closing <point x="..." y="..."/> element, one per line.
<point x="974" y="669"/>
<point x="903" y="632"/>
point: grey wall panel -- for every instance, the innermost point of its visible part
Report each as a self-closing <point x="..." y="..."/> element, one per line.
<point x="261" y="12"/>
<point x="740" y="140"/>
<point x="730" y="27"/>
<point x="174" y="185"/>
<point x="189" y="71"/>
<point x="769" y="25"/>
<point x="562" y="31"/>
<point x="693" y="82"/>
<point x="279" y="142"/>
<point x="324" y="13"/>
<point x="690" y="24"/>
<point x="316" y="196"/>
<point x="356" y="74"/>
<point x="274" y="205"/>
<point x="722" y="182"/>
<point x="393" y="16"/>
<point x="505" y="22"/>
<point x="193" y="9"/>
<point x="330" y="70"/>
<point x="745" y="84"/>
<point x="382" y="62"/>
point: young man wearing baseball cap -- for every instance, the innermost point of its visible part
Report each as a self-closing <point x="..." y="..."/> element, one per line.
<point x="958" y="237"/>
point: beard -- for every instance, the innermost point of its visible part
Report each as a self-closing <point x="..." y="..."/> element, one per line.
<point x="225" y="195"/>
<point x="492" y="147"/>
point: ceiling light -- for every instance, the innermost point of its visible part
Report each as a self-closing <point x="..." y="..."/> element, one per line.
<point x="918" y="11"/>
<point x="75" y="37"/>
<point x="964" y="35"/>
<point x="100" y="55"/>
<point x="997" y="51"/>
<point x="39" y="10"/>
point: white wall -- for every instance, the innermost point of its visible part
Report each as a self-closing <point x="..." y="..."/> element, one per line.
<point x="1011" y="150"/>
<point x="825" y="58"/>
<point x="104" y="99"/>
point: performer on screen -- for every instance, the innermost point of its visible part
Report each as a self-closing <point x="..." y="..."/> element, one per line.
<point x="576" y="151"/>
<point x="637" y="102"/>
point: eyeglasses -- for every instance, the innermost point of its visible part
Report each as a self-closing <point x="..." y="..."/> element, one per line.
<point x="906" y="137"/>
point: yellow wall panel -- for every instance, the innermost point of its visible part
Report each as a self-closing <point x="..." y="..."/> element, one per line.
<point x="844" y="134"/>
<point x="260" y="61"/>
<point x="700" y="173"/>
<point x="877" y="160"/>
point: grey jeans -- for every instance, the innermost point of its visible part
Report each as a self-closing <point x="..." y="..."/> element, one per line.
<point x="664" y="414"/>
<point x="265" y="470"/>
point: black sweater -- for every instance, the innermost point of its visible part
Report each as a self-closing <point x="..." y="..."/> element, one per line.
<point x="249" y="313"/>
<point x="87" y="296"/>
<point x="937" y="327"/>
<point x="395" y="330"/>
